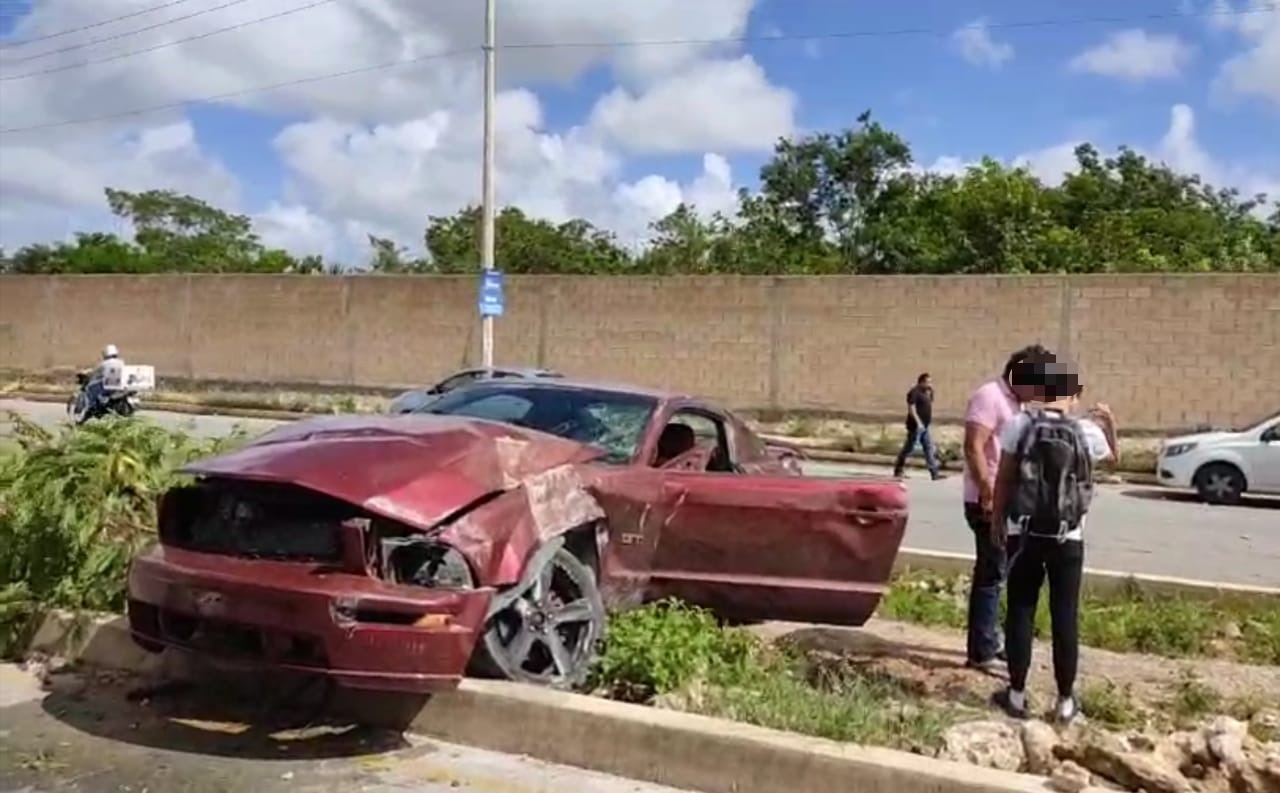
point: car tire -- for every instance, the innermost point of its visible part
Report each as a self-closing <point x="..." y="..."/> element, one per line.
<point x="517" y="642"/>
<point x="1220" y="483"/>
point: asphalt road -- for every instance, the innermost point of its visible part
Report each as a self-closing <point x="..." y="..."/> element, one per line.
<point x="1131" y="529"/>
<point x="93" y="739"/>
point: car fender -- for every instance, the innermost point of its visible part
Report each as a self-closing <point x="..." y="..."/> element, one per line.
<point x="502" y="536"/>
<point x="1222" y="455"/>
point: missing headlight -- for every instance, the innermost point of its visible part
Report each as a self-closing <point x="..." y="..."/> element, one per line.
<point x="428" y="564"/>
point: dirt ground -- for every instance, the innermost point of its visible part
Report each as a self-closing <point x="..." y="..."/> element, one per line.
<point x="930" y="662"/>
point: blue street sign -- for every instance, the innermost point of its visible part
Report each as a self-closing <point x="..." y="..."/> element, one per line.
<point x="491" y="300"/>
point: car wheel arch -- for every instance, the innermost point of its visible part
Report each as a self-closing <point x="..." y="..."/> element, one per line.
<point x="1220" y="463"/>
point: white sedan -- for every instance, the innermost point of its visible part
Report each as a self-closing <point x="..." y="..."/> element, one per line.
<point x="1221" y="466"/>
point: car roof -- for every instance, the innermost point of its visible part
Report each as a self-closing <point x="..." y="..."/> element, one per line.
<point x="573" y="384"/>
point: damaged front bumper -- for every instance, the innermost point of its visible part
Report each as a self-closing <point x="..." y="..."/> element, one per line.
<point x="359" y="631"/>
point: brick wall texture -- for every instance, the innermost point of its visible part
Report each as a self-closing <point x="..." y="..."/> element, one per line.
<point x="1165" y="351"/>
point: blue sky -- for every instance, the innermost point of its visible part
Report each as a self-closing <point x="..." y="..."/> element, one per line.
<point x="1013" y="92"/>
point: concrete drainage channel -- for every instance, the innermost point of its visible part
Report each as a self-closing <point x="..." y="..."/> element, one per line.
<point x="680" y="750"/>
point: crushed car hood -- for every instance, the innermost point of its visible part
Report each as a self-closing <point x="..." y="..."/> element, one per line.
<point x="418" y="469"/>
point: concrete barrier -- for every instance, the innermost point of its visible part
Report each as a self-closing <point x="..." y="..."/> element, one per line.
<point x="681" y="750"/>
<point x="1099" y="582"/>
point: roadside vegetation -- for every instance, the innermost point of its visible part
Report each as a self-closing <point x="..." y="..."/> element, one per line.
<point x="676" y="656"/>
<point x="1128" y="621"/>
<point x="74" y="507"/>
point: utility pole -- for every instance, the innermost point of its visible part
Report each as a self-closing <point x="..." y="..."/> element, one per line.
<point x="487" y="230"/>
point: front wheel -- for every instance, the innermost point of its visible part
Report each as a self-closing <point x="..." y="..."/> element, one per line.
<point x="124" y="407"/>
<point x="550" y="633"/>
<point x="1220" y="483"/>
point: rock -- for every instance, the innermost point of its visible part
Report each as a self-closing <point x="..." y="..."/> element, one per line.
<point x="1225" y="738"/>
<point x="990" y="744"/>
<point x="1039" y="741"/>
<point x="1265" y="725"/>
<point x="1186" y="751"/>
<point x="1231" y="631"/>
<point x="1111" y="758"/>
<point x="1070" y="777"/>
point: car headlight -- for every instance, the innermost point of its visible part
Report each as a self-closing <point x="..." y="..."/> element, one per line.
<point x="1178" y="448"/>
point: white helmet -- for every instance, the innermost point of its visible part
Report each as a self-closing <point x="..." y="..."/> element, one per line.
<point x="110" y="351"/>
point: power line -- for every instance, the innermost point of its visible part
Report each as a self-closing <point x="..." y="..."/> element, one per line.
<point x="243" y="92"/>
<point x="915" y="31"/>
<point x="164" y="44"/>
<point x="608" y="45"/>
<point x="127" y="33"/>
<point x="10" y="44"/>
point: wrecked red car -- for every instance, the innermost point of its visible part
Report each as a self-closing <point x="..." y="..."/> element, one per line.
<point x="493" y="532"/>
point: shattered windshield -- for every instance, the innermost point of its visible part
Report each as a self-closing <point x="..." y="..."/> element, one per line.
<point x="611" y="420"/>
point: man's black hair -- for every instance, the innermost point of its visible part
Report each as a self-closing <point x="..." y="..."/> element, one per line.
<point x="1032" y="353"/>
<point x="923" y="376"/>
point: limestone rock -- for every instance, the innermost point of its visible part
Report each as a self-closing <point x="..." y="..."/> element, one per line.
<point x="990" y="744"/>
<point x="1039" y="740"/>
<point x="1070" y="777"/>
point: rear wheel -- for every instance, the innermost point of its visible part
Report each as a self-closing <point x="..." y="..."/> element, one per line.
<point x="550" y="632"/>
<point x="1220" y="483"/>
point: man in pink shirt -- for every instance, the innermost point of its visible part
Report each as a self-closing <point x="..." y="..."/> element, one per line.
<point x="989" y="407"/>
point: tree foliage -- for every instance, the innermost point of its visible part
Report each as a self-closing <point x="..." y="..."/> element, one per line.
<point x="76" y="506"/>
<point x="851" y="201"/>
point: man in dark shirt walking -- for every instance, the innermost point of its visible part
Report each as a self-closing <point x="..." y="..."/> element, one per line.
<point x="919" y="417"/>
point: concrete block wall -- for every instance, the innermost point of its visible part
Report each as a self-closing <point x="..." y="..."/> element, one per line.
<point x="1166" y="351"/>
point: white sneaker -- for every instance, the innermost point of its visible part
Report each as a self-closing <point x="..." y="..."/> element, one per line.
<point x="1068" y="709"/>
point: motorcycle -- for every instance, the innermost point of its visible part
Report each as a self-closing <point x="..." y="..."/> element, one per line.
<point x="122" y="403"/>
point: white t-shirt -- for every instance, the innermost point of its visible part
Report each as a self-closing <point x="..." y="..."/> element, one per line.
<point x="1011" y="432"/>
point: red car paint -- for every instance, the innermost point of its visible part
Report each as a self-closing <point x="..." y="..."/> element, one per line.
<point x="752" y="541"/>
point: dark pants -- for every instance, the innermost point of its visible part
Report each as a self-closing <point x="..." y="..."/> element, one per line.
<point x="918" y="435"/>
<point x="984" y="592"/>
<point x="1031" y="560"/>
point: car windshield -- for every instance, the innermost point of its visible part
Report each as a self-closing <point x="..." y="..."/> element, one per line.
<point x="611" y="420"/>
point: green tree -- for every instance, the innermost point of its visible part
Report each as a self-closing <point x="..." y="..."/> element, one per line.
<point x="522" y="245"/>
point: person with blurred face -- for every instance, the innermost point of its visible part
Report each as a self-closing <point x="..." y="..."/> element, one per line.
<point x="993" y="403"/>
<point x="1043" y="490"/>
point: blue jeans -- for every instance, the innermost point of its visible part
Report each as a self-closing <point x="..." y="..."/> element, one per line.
<point x="922" y="437"/>
<point x="989" y="569"/>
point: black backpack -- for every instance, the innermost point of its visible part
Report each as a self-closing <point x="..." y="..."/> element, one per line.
<point x="1055" y="477"/>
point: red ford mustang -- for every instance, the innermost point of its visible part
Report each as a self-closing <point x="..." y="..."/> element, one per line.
<point x="493" y="531"/>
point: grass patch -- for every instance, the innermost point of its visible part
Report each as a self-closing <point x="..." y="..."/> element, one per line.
<point x="676" y="655"/>
<point x="1193" y="699"/>
<point x="1113" y="705"/>
<point x="1129" y="621"/>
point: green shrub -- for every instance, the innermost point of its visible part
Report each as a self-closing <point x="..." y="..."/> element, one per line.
<point x="668" y="646"/>
<point x="75" y="506"/>
<point x="672" y="649"/>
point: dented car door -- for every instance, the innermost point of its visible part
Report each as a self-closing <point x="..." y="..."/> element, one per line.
<point x="775" y="547"/>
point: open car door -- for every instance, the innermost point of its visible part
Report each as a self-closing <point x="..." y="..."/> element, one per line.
<point x="756" y="547"/>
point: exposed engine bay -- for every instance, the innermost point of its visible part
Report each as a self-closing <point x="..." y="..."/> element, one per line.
<point x="279" y="522"/>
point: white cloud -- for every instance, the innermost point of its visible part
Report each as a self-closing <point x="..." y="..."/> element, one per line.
<point x="55" y="187"/>
<point x="676" y="115"/>
<point x="1136" y="56"/>
<point x="1255" y="70"/>
<point x="379" y="151"/>
<point x="1179" y="148"/>
<point x="975" y="44"/>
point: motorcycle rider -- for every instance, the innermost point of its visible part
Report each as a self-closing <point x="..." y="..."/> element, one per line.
<point x="107" y="377"/>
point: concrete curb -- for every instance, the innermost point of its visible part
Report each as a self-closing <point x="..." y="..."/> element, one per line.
<point x="1099" y="582"/>
<point x="681" y="750"/>
<point x="818" y="453"/>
